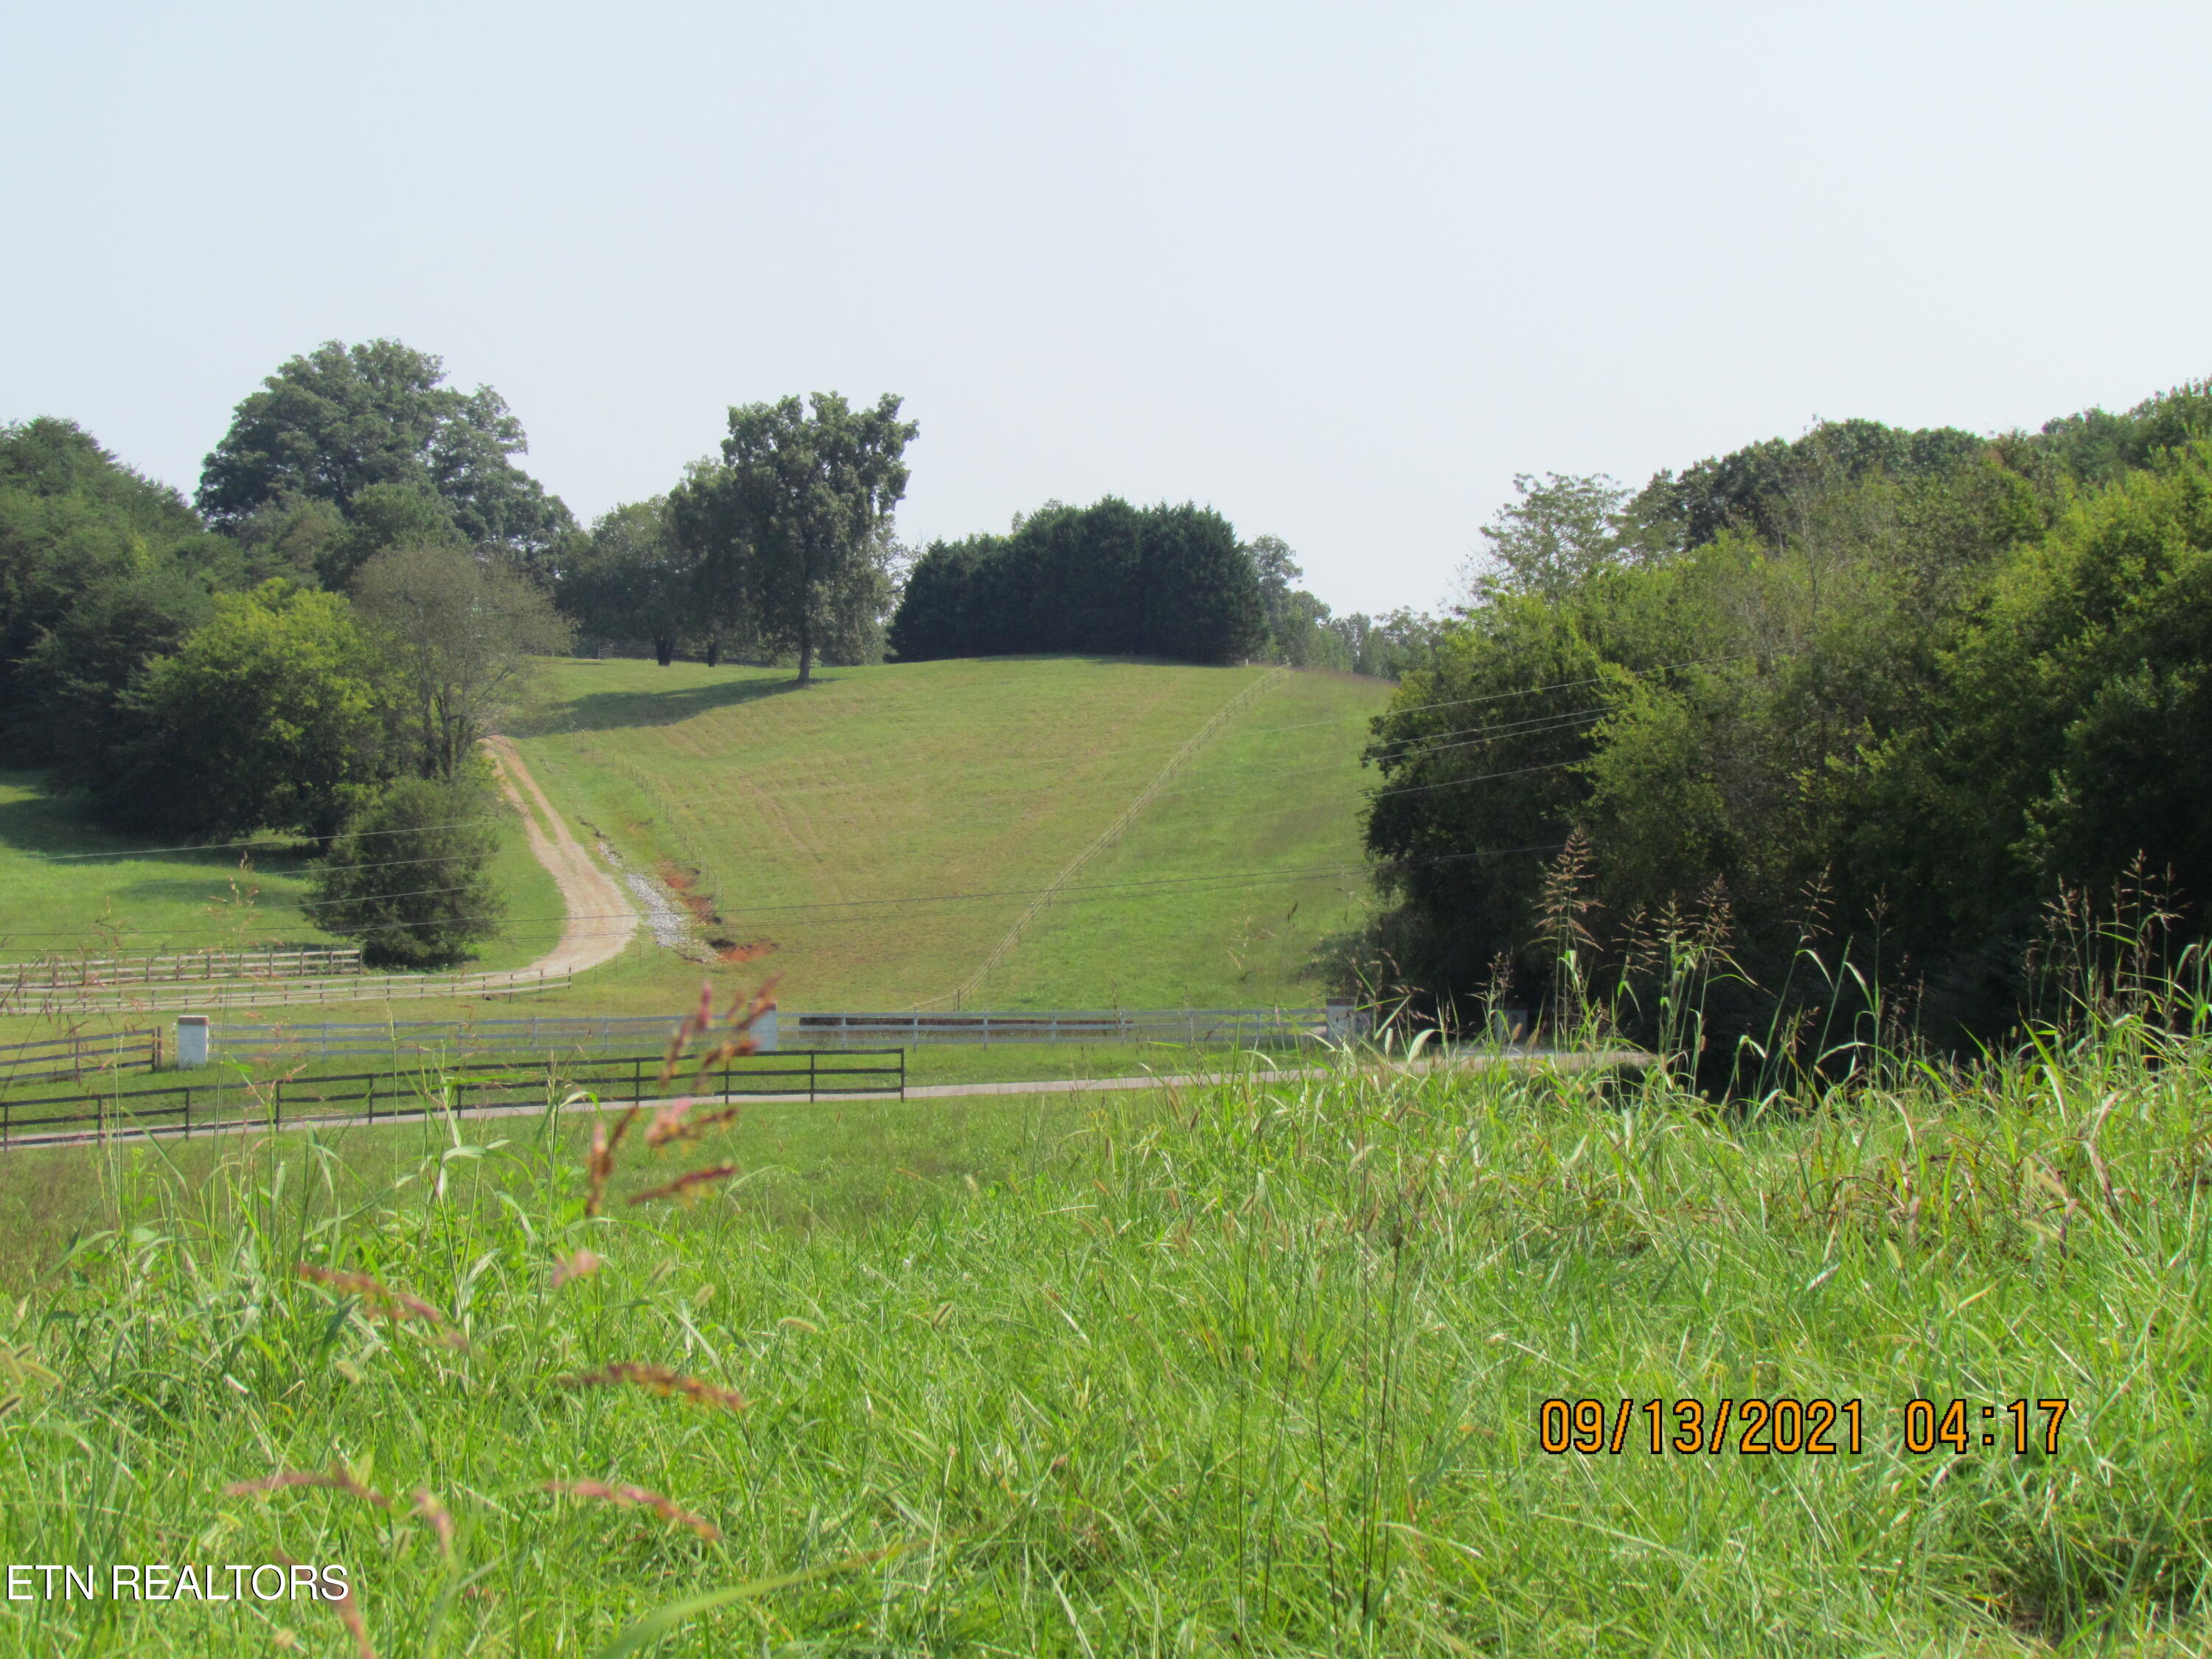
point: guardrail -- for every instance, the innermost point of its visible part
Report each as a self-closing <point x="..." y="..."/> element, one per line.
<point x="73" y="1056"/>
<point x="370" y="1097"/>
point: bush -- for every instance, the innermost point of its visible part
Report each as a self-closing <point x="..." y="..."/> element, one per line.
<point x="407" y="879"/>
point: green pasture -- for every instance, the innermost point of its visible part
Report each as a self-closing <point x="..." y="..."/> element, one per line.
<point x="968" y="785"/>
<point x="70" y="888"/>
<point x="815" y="819"/>
<point x="1258" y="1369"/>
<point x="138" y="896"/>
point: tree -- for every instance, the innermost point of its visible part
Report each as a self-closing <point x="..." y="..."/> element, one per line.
<point x="381" y="516"/>
<point x="1388" y="646"/>
<point x="1200" y="597"/>
<point x="73" y="681"/>
<point x="939" y="613"/>
<point x="100" y="570"/>
<point x="787" y="528"/>
<point x="458" y="631"/>
<point x="1562" y="530"/>
<point x="268" y="717"/>
<point x="408" y="878"/>
<point x="1169" y="581"/>
<point x="630" y="580"/>
<point x="334" y="423"/>
<point x="1297" y="622"/>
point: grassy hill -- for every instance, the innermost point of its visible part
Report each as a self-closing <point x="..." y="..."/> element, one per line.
<point x="884" y="829"/>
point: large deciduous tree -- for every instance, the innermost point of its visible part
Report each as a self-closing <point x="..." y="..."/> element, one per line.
<point x="791" y="528"/>
<point x="99" y="570"/>
<point x="458" y="632"/>
<point x="270" y="717"/>
<point x="630" y="580"/>
<point x="342" y="420"/>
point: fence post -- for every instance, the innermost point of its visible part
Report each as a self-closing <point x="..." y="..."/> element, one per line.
<point x="902" y="1054"/>
<point x="811" y="1089"/>
<point x="188" y="1111"/>
<point x="276" y="1099"/>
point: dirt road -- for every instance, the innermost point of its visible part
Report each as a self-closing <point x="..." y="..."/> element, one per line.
<point x="600" y="917"/>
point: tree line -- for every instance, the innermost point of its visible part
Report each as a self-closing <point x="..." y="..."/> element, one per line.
<point x="313" y="645"/>
<point x="682" y="574"/>
<point x="316" y="641"/>
<point x="1864" y="704"/>
<point x="1123" y="580"/>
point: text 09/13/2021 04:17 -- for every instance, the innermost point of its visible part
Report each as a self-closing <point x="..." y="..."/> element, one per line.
<point x="1757" y="1427"/>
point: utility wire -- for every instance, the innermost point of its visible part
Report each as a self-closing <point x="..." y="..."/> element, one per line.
<point x="288" y="842"/>
<point x="1226" y="877"/>
<point x="257" y="841"/>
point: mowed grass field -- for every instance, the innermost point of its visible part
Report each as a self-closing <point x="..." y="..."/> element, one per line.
<point x="882" y="829"/>
<point x="69" y="889"/>
<point x="1257" y="1370"/>
<point x="877" y="833"/>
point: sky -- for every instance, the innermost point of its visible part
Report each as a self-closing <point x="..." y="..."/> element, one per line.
<point x="1340" y="271"/>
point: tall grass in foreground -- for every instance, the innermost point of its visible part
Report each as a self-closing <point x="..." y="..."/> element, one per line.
<point x="1261" y="1373"/>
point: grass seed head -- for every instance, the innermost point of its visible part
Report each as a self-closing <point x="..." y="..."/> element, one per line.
<point x="600" y="1169"/>
<point x="382" y="1300"/>
<point x="657" y="1379"/>
<point x="337" y="1478"/>
<point x="581" y="1265"/>
<point x="347" y="1610"/>
<point x="629" y="1496"/>
<point x="737" y="1031"/>
<point x="440" y="1520"/>
<point x="686" y="1188"/>
<point x="674" y="1123"/>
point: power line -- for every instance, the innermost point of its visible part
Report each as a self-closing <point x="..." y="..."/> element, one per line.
<point x="289" y="843"/>
<point x="1226" y="877"/>
<point x="256" y="841"/>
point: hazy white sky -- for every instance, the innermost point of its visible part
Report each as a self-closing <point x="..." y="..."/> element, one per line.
<point x="1338" y="270"/>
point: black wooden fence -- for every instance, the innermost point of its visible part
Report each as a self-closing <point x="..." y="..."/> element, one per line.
<point x="380" y="1096"/>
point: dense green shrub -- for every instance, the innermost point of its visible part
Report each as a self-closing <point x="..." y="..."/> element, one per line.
<point x="1886" y="692"/>
<point x="408" y="878"/>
